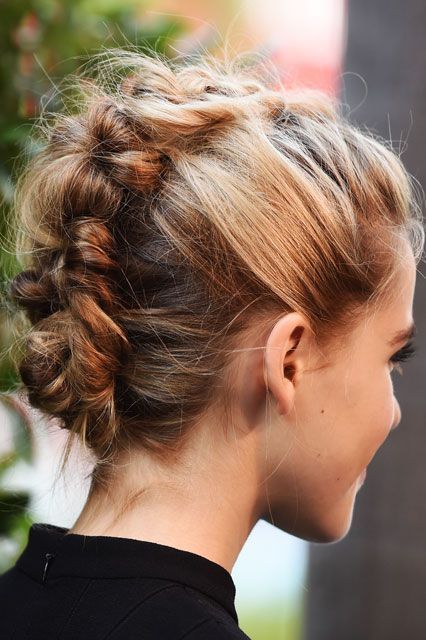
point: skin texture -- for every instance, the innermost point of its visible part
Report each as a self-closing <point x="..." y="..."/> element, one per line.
<point x="301" y="436"/>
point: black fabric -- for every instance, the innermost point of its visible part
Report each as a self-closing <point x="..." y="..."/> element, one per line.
<point x="70" y="586"/>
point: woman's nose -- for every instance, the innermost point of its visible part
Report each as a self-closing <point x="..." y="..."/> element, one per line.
<point x="396" y="415"/>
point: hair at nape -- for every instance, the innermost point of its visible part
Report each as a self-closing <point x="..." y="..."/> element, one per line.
<point x="174" y="204"/>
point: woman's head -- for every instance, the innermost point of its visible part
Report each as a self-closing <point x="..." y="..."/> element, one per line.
<point x="186" y="214"/>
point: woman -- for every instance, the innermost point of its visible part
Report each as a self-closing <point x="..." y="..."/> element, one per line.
<point x="219" y="278"/>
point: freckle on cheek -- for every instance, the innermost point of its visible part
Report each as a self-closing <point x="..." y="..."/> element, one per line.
<point x="322" y="410"/>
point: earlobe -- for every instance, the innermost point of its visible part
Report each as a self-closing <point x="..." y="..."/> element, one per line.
<point x="279" y="370"/>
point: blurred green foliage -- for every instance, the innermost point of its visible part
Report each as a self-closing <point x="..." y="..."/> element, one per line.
<point x="276" y="621"/>
<point x="41" y="42"/>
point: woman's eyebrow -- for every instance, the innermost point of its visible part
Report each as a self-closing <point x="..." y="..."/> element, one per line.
<point x="403" y="335"/>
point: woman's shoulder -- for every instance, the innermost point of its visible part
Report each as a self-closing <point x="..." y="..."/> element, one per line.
<point x="123" y="608"/>
<point x="178" y="613"/>
<point x="213" y="630"/>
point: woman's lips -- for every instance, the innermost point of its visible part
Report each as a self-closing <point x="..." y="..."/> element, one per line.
<point x="363" y="476"/>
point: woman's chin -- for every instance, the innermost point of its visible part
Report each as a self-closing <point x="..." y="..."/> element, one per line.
<point x="322" y="532"/>
<point x="324" y="527"/>
<point x="335" y="526"/>
<point x="329" y="534"/>
<point x="319" y="522"/>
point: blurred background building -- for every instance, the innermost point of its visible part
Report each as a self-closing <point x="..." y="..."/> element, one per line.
<point x="286" y="589"/>
<point x="372" y="584"/>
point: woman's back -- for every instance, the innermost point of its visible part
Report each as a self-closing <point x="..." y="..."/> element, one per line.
<point x="74" y="586"/>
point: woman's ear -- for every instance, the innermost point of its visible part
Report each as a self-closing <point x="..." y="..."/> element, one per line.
<point x="282" y="359"/>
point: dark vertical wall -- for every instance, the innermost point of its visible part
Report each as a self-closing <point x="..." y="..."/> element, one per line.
<point x="372" y="584"/>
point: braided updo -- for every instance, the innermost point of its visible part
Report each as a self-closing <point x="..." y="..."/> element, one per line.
<point x="177" y="205"/>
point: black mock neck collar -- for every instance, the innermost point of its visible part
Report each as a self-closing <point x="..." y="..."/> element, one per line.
<point x="112" y="557"/>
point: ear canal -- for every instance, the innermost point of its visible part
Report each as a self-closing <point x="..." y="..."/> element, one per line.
<point x="289" y="371"/>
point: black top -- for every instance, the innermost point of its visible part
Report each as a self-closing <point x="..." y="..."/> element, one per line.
<point x="76" y="587"/>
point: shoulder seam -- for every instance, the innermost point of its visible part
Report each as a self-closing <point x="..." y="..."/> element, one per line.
<point x="196" y="626"/>
<point x="218" y="625"/>
<point x="219" y="610"/>
<point x="135" y="607"/>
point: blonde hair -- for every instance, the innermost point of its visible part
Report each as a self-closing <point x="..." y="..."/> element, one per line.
<point x="179" y="204"/>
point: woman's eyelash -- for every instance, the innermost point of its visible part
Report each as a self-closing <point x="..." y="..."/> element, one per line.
<point x="407" y="351"/>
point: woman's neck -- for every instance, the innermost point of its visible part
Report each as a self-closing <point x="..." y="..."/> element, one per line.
<point x="208" y="509"/>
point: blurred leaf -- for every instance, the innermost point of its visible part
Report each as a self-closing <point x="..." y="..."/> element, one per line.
<point x="41" y="42"/>
<point x="12" y="506"/>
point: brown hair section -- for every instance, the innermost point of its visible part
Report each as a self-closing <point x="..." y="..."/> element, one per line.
<point x="171" y="211"/>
